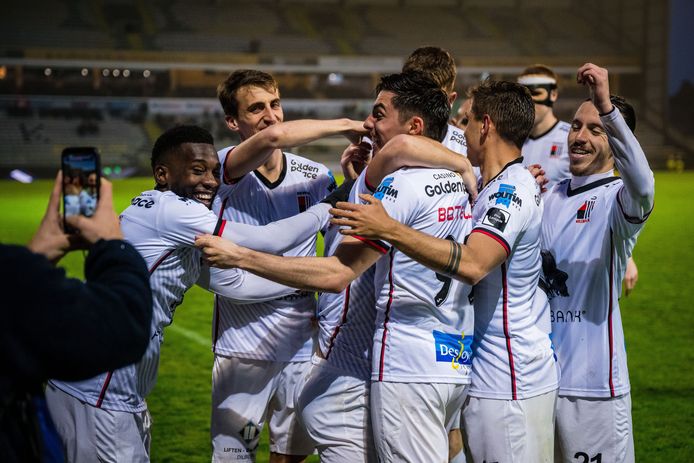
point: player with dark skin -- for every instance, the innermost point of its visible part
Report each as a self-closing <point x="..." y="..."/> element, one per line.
<point x="191" y="171"/>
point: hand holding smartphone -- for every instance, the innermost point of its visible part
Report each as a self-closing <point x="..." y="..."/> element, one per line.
<point x="81" y="181"/>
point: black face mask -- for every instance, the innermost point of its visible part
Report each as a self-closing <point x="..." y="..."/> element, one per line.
<point x="535" y="91"/>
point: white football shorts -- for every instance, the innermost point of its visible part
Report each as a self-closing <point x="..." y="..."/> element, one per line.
<point x="245" y="394"/>
<point x="510" y="431"/>
<point x="594" y="429"/>
<point x="334" y="408"/>
<point x="93" y="434"/>
<point x="411" y="420"/>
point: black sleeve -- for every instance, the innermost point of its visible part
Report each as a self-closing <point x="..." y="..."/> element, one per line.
<point x="62" y="328"/>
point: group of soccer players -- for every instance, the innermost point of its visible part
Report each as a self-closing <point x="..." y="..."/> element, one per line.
<point x="455" y="293"/>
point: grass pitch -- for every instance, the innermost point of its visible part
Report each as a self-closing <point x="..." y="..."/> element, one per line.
<point x="658" y="321"/>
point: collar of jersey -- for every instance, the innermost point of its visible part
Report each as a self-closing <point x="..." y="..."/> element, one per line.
<point x="518" y="160"/>
<point x="589" y="182"/>
<point x="272" y="185"/>
<point x="546" y="131"/>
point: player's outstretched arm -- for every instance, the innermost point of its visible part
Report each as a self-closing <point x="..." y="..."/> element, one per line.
<point x="419" y="151"/>
<point x="280" y="236"/>
<point x="239" y="286"/>
<point x="256" y="150"/>
<point x="466" y="262"/>
<point x="330" y="274"/>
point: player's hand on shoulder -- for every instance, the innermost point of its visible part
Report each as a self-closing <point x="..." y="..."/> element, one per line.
<point x="218" y="252"/>
<point x="369" y="220"/>
<point x="538" y="173"/>
<point x="597" y="80"/>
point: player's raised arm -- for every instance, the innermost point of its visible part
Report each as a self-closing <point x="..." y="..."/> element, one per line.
<point x="330" y="274"/>
<point x="619" y="120"/>
<point x="467" y="262"/>
<point x="256" y="150"/>
<point x="419" y="151"/>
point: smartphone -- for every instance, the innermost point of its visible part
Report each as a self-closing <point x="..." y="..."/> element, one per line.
<point x="81" y="180"/>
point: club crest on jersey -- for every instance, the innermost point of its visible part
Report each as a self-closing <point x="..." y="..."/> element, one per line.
<point x="453" y="348"/>
<point x="583" y="212"/>
<point x="497" y="218"/>
<point x="303" y="198"/>
<point x="506" y="195"/>
<point x="386" y="189"/>
<point x="556" y="149"/>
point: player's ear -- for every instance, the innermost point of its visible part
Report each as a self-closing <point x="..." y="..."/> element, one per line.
<point x="553" y="95"/>
<point x="416" y="126"/>
<point x="452" y="97"/>
<point x="232" y="123"/>
<point x="161" y="175"/>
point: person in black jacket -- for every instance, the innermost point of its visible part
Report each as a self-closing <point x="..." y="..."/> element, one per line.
<point x="58" y="327"/>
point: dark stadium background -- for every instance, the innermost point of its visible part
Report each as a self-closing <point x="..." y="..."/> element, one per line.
<point x="116" y="73"/>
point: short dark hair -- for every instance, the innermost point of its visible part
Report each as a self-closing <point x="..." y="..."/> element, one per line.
<point x="416" y="94"/>
<point x="175" y="137"/>
<point x="227" y="90"/>
<point x="626" y="109"/>
<point x="509" y="105"/>
<point x="435" y="62"/>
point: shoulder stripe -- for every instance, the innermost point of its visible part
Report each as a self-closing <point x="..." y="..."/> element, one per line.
<point x="378" y="245"/>
<point x="630" y="219"/>
<point x="498" y="238"/>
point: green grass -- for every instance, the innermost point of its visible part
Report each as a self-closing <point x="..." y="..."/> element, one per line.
<point x="658" y="322"/>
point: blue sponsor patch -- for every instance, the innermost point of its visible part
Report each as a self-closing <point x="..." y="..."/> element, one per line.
<point x="333" y="183"/>
<point x="453" y="348"/>
<point x="506" y="195"/>
<point x="385" y="189"/>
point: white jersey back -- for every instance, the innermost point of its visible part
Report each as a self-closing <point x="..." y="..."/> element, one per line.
<point x="424" y="330"/>
<point x="551" y="151"/>
<point x="586" y="241"/>
<point x="347" y="319"/>
<point x="162" y="227"/>
<point x="280" y="330"/>
<point x="513" y="357"/>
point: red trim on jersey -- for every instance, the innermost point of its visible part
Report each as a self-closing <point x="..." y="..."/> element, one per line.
<point x="506" y="332"/>
<point x="387" y="318"/>
<point x="496" y="238"/>
<point x="216" y="325"/>
<point x="609" y="313"/>
<point x="161" y="259"/>
<point x="222" y="224"/>
<point x="103" y="389"/>
<point x="343" y="320"/>
<point x="377" y="245"/>
<point x="368" y="184"/>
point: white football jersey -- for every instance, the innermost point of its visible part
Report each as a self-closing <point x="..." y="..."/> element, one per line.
<point x="283" y="329"/>
<point x="551" y="151"/>
<point x="347" y="319"/>
<point x="513" y="357"/>
<point x="424" y="329"/>
<point x="162" y="227"/>
<point x="590" y="229"/>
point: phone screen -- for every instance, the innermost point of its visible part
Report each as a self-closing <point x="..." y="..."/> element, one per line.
<point x="81" y="179"/>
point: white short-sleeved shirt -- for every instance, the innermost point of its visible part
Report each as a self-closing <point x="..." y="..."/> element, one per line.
<point x="512" y="352"/>
<point x="279" y="330"/>
<point x="551" y="151"/>
<point x="423" y="332"/>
